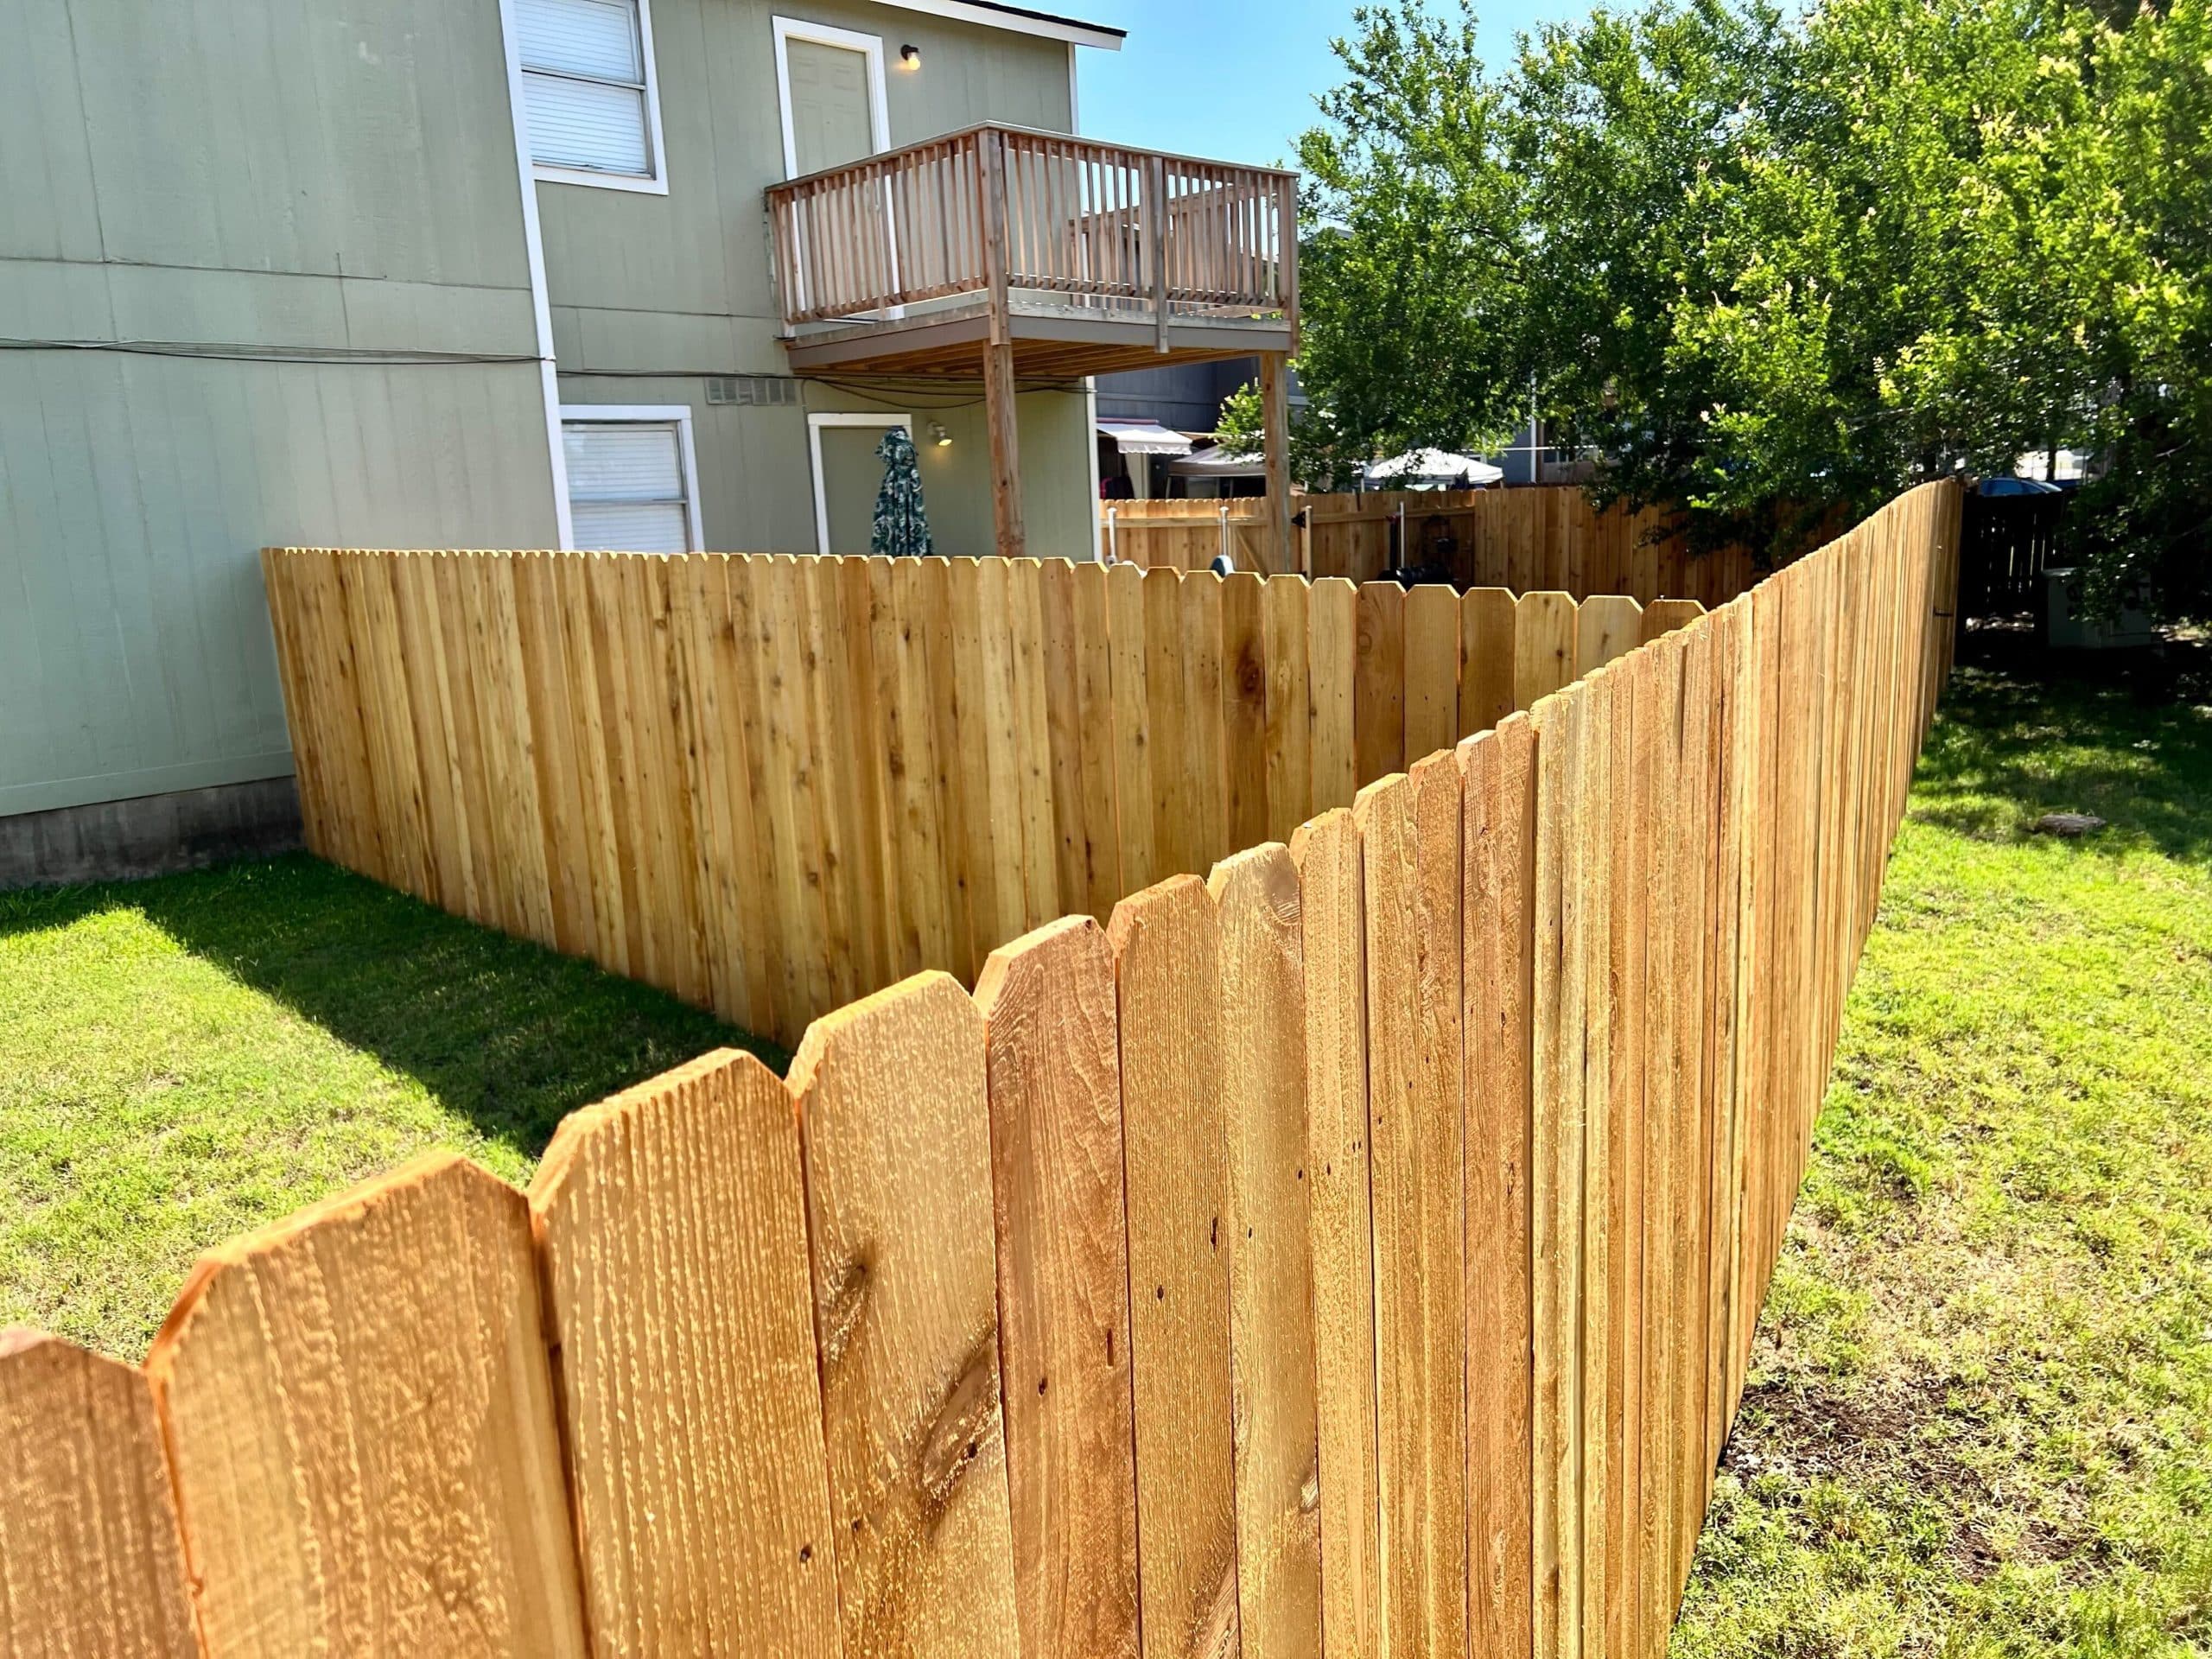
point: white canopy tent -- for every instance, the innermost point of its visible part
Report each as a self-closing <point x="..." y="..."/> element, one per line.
<point x="1218" y="463"/>
<point x="1144" y="437"/>
<point x="1432" y="469"/>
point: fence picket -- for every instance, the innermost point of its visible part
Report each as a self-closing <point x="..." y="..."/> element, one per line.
<point x="671" y="1224"/>
<point x="359" y="1419"/>
<point x="1332" y="915"/>
<point x="1497" y="829"/>
<point x="1410" y="841"/>
<point x="1271" y="1267"/>
<point x="1055" y="1078"/>
<point x="1167" y="961"/>
<point x="89" y="1555"/>
<point x="1379" y="682"/>
<point x="895" y="1132"/>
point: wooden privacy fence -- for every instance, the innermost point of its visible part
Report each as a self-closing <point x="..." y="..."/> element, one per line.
<point x="1544" y="538"/>
<point x="1356" y="1253"/>
<point x="772" y="785"/>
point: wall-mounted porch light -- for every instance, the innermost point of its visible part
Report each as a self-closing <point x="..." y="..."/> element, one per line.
<point x="910" y="57"/>
<point x="939" y="436"/>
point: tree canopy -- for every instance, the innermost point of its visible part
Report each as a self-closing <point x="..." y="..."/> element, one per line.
<point x="1771" y="266"/>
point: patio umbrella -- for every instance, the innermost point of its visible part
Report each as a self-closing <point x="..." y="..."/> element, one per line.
<point x="901" y="526"/>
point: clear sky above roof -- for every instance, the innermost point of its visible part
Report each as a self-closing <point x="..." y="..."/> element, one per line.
<point x="1235" y="79"/>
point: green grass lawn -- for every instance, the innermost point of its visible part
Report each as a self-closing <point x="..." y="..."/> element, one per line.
<point x="1979" y="1420"/>
<point x="1979" y="1416"/>
<point x="186" y="1057"/>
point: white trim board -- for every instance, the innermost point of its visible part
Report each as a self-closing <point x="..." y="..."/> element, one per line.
<point x="815" y="422"/>
<point x="1019" y="21"/>
<point x="654" y="183"/>
<point x="534" y="251"/>
<point x="648" y="414"/>
<point x="879" y="101"/>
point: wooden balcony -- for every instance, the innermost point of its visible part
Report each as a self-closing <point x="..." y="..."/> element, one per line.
<point x="1073" y="256"/>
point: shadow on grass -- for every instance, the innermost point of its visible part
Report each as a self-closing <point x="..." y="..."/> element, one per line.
<point x="504" y="1031"/>
<point x="2126" y="736"/>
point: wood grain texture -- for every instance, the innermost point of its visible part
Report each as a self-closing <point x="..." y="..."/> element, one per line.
<point x="90" y="1557"/>
<point x="1498" y="836"/>
<point x="1055" y="1077"/>
<point x="1289" y="740"/>
<point x="1244" y="710"/>
<point x="1663" y="616"/>
<point x="1486" y="645"/>
<point x="1543" y="646"/>
<point x="360" y="1418"/>
<point x="895" y="1127"/>
<point x="1334" y="925"/>
<point x="1271" y="1270"/>
<point x="1555" y="1189"/>
<point x="1409" y="839"/>
<point x="1331" y="642"/>
<point x="1431" y="646"/>
<point x="670" y="1221"/>
<point x="1167" y="964"/>
<point x="1379" y="682"/>
<point x="1606" y="626"/>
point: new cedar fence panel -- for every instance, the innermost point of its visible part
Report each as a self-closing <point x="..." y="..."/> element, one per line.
<point x="987" y="1331"/>
<point x="770" y="784"/>
<point x="1548" y="535"/>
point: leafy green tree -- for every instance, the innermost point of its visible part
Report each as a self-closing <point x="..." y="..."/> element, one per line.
<point x="1775" y="269"/>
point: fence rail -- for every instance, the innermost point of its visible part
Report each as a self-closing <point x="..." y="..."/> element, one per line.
<point x="1357" y="1252"/>
<point x="770" y="784"/>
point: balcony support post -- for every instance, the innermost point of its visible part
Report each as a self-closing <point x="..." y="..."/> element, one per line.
<point x="1006" y="450"/>
<point x="1274" y="404"/>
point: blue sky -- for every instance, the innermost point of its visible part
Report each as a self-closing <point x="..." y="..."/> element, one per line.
<point x="1235" y="79"/>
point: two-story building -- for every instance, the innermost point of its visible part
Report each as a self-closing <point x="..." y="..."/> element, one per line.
<point x="643" y="274"/>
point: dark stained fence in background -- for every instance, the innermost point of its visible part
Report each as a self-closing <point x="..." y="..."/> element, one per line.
<point x="2006" y="544"/>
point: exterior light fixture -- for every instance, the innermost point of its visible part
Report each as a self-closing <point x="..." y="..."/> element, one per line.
<point x="939" y="436"/>
<point x="910" y="57"/>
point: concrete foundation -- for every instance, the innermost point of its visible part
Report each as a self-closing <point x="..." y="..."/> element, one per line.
<point x="152" y="836"/>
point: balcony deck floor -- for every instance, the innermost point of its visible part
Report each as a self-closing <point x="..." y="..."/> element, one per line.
<point x="1050" y="341"/>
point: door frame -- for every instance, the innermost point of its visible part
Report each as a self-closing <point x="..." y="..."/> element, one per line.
<point x="815" y="422"/>
<point x="870" y="46"/>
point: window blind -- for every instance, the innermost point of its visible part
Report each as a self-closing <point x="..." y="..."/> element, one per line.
<point x="584" y="85"/>
<point x="626" y="488"/>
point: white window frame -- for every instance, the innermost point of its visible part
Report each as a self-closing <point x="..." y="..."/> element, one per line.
<point x="814" y="425"/>
<point x="650" y="415"/>
<point x="879" y="107"/>
<point x="652" y="183"/>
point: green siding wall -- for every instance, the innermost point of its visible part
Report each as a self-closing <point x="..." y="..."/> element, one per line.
<point x="317" y="175"/>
